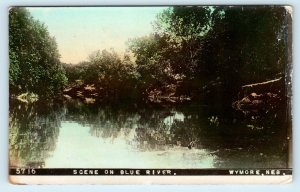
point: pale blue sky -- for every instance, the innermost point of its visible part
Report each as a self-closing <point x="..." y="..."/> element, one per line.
<point x="79" y="31"/>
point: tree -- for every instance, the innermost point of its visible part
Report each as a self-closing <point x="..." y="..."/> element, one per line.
<point x="222" y="48"/>
<point x="33" y="56"/>
<point x="152" y="60"/>
<point x="115" y="75"/>
<point x="187" y="27"/>
<point x="76" y="71"/>
<point x="249" y="42"/>
<point x="248" y="45"/>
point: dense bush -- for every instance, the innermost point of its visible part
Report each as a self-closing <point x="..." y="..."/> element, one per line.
<point x="33" y="57"/>
<point x="206" y="53"/>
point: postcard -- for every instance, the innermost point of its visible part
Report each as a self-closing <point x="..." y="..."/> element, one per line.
<point x="150" y="95"/>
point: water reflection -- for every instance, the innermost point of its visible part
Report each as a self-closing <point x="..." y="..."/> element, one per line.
<point x="73" y="134"/>
<point x="33" y="133"/>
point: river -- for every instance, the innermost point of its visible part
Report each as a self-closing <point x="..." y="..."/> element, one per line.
<point x="72" y="134"/>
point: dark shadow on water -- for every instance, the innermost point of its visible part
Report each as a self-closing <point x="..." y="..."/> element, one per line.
<point x="234" y="143"/>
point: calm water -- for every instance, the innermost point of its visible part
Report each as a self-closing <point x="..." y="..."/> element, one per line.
<point x="77" y="135"/>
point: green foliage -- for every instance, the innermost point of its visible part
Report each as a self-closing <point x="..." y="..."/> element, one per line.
<point x="152" y="60"/>
<point x="247" y="43"/>
<point x="185" y="23"/>
<point x="75" y="71"/>
<point x="194" y="51"/>
<point x="247" y="46"/>
<point x="114" y="77"/>
<point x="34" y="58"/>
<point x="187" y="27"/>
<point x="218" y="47"/>
<point x="33" y="131"/>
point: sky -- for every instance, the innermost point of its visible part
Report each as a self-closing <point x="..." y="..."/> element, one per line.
<point x="80" y="31"/>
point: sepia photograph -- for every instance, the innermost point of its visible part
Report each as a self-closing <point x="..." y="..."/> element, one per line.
<point x="150" y="94"/>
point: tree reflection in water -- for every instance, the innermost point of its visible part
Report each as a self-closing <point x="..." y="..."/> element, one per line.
<point x="33" y="132"/>
<point x="200" y="133"/>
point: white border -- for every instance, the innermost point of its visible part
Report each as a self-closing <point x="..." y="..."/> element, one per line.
<point x="141" y="180"/>
<point x="4" y="183"/>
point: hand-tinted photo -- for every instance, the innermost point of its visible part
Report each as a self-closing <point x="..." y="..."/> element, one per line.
<point x="178" y="87"/>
